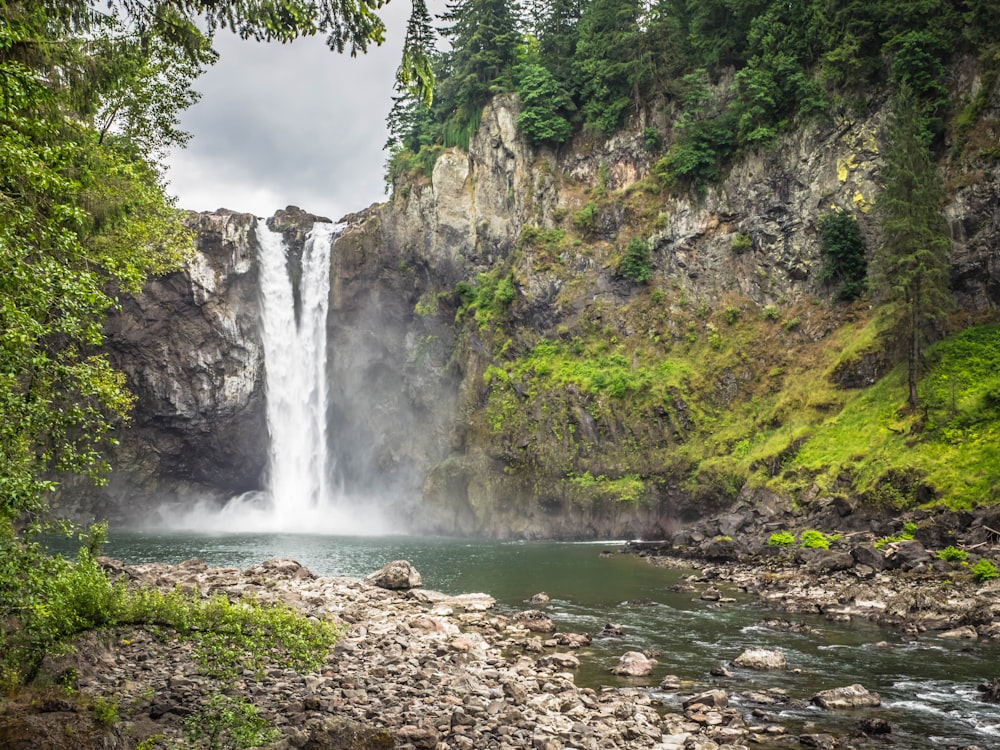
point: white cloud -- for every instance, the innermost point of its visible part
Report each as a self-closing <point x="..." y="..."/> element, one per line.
<point x="289" y="124"/>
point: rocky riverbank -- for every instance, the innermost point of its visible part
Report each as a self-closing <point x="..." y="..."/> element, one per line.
<point x="413" y="669"/>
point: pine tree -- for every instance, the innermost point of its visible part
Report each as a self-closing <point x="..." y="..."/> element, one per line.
<point x="911" y="264"/>
<point x="484" y="40"/>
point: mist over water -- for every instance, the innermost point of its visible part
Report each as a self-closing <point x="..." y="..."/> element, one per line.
<point x="304" y="492"/>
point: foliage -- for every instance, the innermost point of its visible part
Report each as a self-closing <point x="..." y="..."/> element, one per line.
<point x="228" y="722"/>
<point x="90" y="100"/>
<point x="912" y="262"/>
<point x="843" y="247"/>
<point x="487" y="299"/>
<point x="782" y="538"/>
<point x="628" y="489"/>
<point x="635" y="264"/>
<point x="984" y="570"/>
<point x="586" y="218"/>
<point x="813" y="539"/>
<point x="953" y="554"/>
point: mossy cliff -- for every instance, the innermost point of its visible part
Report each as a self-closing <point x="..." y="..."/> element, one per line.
<point x="594" y="401"/>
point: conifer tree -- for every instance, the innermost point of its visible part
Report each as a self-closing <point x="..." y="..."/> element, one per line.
<point x="911" y="264"/>
<point x="484" y="40"/>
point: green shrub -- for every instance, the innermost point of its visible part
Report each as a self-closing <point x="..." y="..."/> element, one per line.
<point x="908" y="532"/>
<point x="585" y="219"/>
<point x="812" y="539"/>
<point x="635" y="265"/>
<point x="740" y="243"/>
<point x="770" y="312"/>
<point x="781" y="539"/>
<point x="953" y="554"/>
<point x="843" y="247"/>
<point x="984" y="570"/>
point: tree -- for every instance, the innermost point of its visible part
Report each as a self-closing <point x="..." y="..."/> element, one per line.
<point x="912" y="258"/>
<point x="545" y="104"/>
<point x="484" y="40"/>
<point x="607" y="60"/>
<point x="844" y="249"/>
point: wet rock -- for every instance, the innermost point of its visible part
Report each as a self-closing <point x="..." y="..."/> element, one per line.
<point x="540" y="598"/>
<point x="966" y="633"/>
<point x="535" y="621"/>
<point x="760" y="658"/>
<point x="990" y="691"/>
<point x="852" y="696"/>
<point x="711" y="594"/>
<point x="397" y="575"/>
<point x="634" y="664"/>
<point x="611" y="630"/>
<point x="875" y="726"/>
<point x="708" y="699"/>
<point x="670" y="682"/>
<point x="559" y="661"/>
<point x="821" y="741"/>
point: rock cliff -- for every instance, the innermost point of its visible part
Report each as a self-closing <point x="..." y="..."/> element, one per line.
<point x="428" y="405"/>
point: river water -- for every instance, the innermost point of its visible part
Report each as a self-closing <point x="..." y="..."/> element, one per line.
<point x="928" y="685"/>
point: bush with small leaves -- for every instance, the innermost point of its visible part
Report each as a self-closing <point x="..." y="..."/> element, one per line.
<point x="953" y="554"/>
<point x="812" y="539"/>
<point x="782" y="539"/>
<point x="984" y="570"/>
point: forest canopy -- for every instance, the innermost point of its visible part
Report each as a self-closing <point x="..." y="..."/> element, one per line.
<point x="590" y="64"/>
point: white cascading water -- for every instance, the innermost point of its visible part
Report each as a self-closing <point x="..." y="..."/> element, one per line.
<point x="302" y="495"/>
<point x="295" y="365"/>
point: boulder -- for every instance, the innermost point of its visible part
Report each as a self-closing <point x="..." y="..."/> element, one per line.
<point x="709" y="699"/>
<point x="535" y="621"/>
<point x="907" y="555"/>
<point x="397" y="575"/>
<point x="866" y="554"/>
<point x="559" y="661"/>
<point x="760" y="658"/>
<point x="634" y="664"/>
<point x="991" y="691"/>
<point x="852" y="696"/>
<point x="540" y="598"/>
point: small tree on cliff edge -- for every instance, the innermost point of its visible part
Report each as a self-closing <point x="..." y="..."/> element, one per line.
<point x="911" y="264"/>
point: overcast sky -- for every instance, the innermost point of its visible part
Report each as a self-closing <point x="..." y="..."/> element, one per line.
<point x="291" y="124"/>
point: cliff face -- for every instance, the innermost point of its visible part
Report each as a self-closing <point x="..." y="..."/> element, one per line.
<point x="430" y="410"/>
<point x="191" y="351"/>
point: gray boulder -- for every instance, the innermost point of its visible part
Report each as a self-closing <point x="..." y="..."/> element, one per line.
<point x="852" y="696"/>
<point x="397" y="575"/>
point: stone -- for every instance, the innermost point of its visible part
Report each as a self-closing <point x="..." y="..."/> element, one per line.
<point x="852" y="696"/>
<point x="397" y="575"/>
<point x="539" y="598"/>
<point x="559" y="661"/>
<point x="633" y="664"/>
<point x="761" y="659"/>
<point x="966" y="633"/>
<point x="875" y="725"/>
<point x="708" y="699"/>
<point x="866" y="554"/>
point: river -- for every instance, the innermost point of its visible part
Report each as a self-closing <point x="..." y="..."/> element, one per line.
<point x="928" y="685"/>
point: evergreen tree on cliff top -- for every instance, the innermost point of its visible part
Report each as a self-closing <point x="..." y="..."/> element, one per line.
<point x="484" y="39"/>
<point x="911" y="263"/>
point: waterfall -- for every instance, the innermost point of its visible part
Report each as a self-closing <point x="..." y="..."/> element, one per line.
<point x="302" y="494"/>
<point x="295" y="354"/>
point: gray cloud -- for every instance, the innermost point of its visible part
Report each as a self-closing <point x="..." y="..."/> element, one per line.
<point x="289" y="124"/>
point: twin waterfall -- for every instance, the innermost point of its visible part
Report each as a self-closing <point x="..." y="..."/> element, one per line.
<point x="295" y="353"/>
<point x="301" y="494"/>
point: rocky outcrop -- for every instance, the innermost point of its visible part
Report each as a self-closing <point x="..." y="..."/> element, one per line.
<point x="191" y="352"/>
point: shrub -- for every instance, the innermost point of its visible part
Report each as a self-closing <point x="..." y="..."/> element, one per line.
<point x="771" y="312"/>
<point x="740" y="243"/>
<point x="908" y="532"/>
<point x="782" y="539"/>
<point x="585" y="219"/>
<point x="984" y="570"/>
<point x="953" y="554"/>
<point x="812" y="539"/>
<point x="635" y="265"/>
